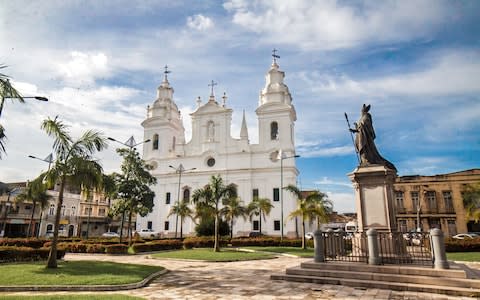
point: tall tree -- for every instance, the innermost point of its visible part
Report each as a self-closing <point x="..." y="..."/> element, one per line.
<point x="6" y="91"/>
<point x="183" y="210"/>
<point x="109" y="189"/>
<point x="471" y="201"/>
<point x="209" y="199"/>
<point x="233" y="208"/>
<point x="313" y="206"/>
<point x="35" y="192"/>
<point x="260" y="207"/>
<point x="74" y="166"/>
<point x="134" y="186"/>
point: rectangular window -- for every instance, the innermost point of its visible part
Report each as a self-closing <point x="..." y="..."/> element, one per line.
<point x="254" y="193"/>
<point x="448" y="201"/>
<point x="167" y="199"/>
<point x="399" y="201"/>
<point x="276" y="194"/>
<point x="431" y="200"/>
<point x="402" y="225"/>
<point x="167" y="225"/>
<point x="452" y="227"/>
<point x="276" y="225"/>
<point x="88" y="210"/>
<point x="415" y="201"/>
<point x="149" y="225"/>
<point x="255" y="225"/>
<point x="28" y="207"/>
<point x="435" y="223"/>
<point x="101" y="212"/>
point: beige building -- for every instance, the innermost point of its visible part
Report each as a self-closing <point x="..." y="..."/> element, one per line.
<point x="434" y="202"/>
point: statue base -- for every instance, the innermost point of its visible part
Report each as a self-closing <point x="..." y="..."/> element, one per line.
<point x="374" y="195"/>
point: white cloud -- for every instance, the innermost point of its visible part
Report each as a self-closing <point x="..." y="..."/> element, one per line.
<point x="332" y="24"/>
<point x="342" y="202"/>
<point x="199" y="22"/>
<point x="324" y="151"/>
<point x="84" y="68"/>
<point x="329" y="182"/>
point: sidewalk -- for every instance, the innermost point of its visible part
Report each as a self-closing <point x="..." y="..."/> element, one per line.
<point x="238" y="280"/>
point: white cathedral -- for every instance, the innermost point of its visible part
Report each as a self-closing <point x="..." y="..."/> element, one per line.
<point x="258" y="170"/>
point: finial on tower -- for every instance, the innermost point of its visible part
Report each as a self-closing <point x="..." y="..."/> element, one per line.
<point x="224" y="97"/>
<point x="166" y="73"/>
<point x="275" y="56"/>
<point x="199" y="101"/>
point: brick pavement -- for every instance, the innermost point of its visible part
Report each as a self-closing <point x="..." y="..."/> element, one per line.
<point x="238" y="280"/>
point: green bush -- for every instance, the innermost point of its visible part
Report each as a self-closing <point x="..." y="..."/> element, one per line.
<point x="95" y="248"/>
<point x="141" y="248"/>
<point x="206" y="227"/>
<point x="466" y="245"/>
<point x="202" y="242"/>
<point x="13" y="253"/>
<point x="23" y="242"/>
<point x="116" y="249"/>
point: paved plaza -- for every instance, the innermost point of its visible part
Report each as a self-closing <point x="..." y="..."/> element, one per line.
<point x="237" y="280"/>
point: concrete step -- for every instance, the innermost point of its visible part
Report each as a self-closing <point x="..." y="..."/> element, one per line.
<point x="387" y="269"/>
<point x="386" y="277"/>
<point x="398" y="286"/>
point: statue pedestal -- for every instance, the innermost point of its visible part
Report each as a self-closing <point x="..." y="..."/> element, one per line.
<point x="374" y="196"/>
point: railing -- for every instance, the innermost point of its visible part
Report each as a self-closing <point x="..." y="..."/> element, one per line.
<point x="394" y="248"/>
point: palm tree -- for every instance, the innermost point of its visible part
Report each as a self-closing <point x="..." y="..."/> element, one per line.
<point x="314" y="206"/>
<point x="36" y="192"/>
<point x="259" y="207"/>
<point x="471" y="201"/>
<point x="210" y="197"/>
<point x="74" y="166"/>
<point x="182" y="210"/>
<point x="232" y="209"/>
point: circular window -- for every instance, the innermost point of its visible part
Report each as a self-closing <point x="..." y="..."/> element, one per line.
<point x="211" y="162"/>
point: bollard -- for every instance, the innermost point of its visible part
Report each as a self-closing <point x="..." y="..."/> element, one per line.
<point x="438" y="247"/>
<point x="373" y="256"/>
<point x="319" y="246"/>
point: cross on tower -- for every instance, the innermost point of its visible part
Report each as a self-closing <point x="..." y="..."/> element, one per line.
<point x="212" y="84"/>
<point x="274" y="55"/>
<point x="166" y="72"/>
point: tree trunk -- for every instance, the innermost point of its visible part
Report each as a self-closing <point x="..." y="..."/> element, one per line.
<point x="304" y="245"/>
<point x="121" y="225"/>
<point x="31" y="232"/>
<point x="231" y="228"/>
<point x="260" y="222"/>
<point x="52" y="257"/>
<point x="216" y="248"/>
<point x="129" y="228"/>
<point x="181" y="227"/>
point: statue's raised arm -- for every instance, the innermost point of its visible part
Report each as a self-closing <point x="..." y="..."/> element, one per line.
<point x="364" y="141"/>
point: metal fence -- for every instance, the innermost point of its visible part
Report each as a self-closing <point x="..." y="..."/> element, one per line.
<point x="394" y="248"/>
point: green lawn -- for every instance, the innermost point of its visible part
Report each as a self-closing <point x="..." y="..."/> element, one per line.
<point x="72" y="297"/>
<point x="207" y="254"/>
<point x="73" y="273"/>
<point x="464" y="256"/>
<point x="287" y="250"/>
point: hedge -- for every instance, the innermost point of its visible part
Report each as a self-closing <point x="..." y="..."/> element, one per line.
<point x="23" y="242"/>
<point x="202" y="242"/>
<point x="116" y="249"/>
<point x="157" y="246"/>
<point x="14" y="253"/>
<point x="466" y="245"/>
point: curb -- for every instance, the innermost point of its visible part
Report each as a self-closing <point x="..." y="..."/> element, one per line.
<point x="84" y="288"/>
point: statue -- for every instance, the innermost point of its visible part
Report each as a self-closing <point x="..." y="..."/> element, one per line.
<point x="364" y="141"/>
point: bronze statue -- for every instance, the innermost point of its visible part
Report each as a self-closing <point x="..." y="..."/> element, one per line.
<point x="364" y="141"/>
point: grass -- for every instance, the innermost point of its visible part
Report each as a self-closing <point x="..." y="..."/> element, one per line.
<point x="298" y="251"/>
<point x="464" y="256"/>
<point x="72" y="297"/>
<point x="73" y="273"/>
<point x="207" y="254"/>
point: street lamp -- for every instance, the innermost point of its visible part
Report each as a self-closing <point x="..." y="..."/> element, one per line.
<point x="7" y="207"/>
<point x="179" y="170"/>
<point x="130" y="143"/>
<point x="281" y="157"/>
<point x="33" y="97"/>
<point x="48" y="159"/>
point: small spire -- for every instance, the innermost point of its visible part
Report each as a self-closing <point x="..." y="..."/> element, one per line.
<point x="275" y="56"/>
<point x="244" y="129"/>
<point x="224" y="98"/>
<point x="199" y="101"/>
<point x="212" y="84"/>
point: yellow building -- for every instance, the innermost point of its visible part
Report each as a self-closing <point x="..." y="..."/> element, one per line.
<point x="436" y="201"/>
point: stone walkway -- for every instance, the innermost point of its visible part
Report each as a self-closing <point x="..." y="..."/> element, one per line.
<point x="237" y="280"/>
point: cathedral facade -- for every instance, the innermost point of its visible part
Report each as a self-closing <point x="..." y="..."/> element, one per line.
<point x="258" y="170"/>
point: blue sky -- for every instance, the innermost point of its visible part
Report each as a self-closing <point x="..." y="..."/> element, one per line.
<point x="99" y="62"/>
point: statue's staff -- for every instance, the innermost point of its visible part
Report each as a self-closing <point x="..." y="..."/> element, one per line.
<point x="351" y="135"/>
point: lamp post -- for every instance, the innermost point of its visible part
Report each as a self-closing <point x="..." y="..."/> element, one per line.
<point x="39" y="98"/>
<point x="179" y="170"/>
<point x="7" y="207"/>
<point x="49" y="159"/>
<point x="281" y="157"/>
<point x="131" y="144"/>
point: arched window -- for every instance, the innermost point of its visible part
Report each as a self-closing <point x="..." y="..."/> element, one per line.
<point x="174" y="141"/>
<point x="155" y="142"/>
<point x="49" y="227"/>
<point x="274" y="131"/>
<point x="186" y="195"/>
<point x="51" y="211"/>
<point x="210" y="130"/>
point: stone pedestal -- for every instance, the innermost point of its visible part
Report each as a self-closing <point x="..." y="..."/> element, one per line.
<point x="374" y="196"/>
